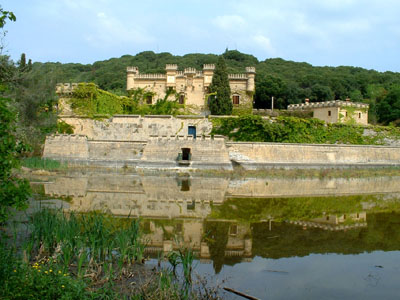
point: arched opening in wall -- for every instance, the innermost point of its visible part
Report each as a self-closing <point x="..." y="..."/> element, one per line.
<point x="186" y="155"/>
<point x="181" y="98"/>
<point x="149" y="99"/>
<point x="236" y="99"/>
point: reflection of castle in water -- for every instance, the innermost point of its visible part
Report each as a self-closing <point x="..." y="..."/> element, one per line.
<point x="335" y="222"/>
<point x="178" y="210"/>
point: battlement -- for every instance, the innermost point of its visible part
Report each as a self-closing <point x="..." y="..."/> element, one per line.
<point x="209" y="67"/>
<point x="186" y="138"/>
<point x="65" y="88"/>
<point x="150" y="76"/>
<point x="66" y="137"/>
<point x="250" y="70"/>
<point x="334" y="103"/>
<point x="171" y="67"/>
<point x="189" y="71"/>
<point x="237" y="76"/>
<point x="132" y="70"/>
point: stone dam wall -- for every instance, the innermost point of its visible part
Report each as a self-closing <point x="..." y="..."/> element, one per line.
<point x="258" y="155"/>
<point x="214" y="152"/>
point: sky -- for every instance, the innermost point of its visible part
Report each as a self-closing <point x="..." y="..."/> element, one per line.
<point x="362" y="33"/>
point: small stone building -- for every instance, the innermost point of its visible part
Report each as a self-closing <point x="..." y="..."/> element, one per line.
<point x="192" y="85"/>
<point x="336" y="111"/>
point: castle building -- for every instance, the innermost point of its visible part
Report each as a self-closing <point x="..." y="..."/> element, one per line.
<point x="336" y="111"/>
<point x="192" y="85"/>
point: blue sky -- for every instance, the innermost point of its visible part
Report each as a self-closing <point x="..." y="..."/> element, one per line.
<point x="364" y="33"/>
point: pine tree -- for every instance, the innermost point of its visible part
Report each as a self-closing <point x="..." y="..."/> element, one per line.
<point x="30" y="65"/>
<point x="22" y="62"/>
<point x="220" y="103"/>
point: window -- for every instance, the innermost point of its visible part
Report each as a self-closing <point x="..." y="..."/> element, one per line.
<point x="359" y="115"/>
<point x="236" y="99"/>
<point x="346" y="114"/>
<point x="149" y="99"/>
<point x="329" y="113"/>
<point x="233" y="229"/>
<point x="182" y="99"/>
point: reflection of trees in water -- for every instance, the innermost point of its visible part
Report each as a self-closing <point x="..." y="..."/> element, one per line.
<point x="287" y="240"/>
<point x="217" y="239"/>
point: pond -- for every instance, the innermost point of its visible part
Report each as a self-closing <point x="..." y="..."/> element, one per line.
<point x="272" y="238"/>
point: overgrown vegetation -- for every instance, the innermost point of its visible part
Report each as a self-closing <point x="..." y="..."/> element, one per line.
<point x="89" y="256"/>
<point x="14" y="191"/>
<point x="253" y="128"/>
<point x="88" y="100"/>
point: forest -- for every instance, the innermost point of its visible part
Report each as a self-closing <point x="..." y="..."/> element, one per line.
<point x="289" y="82"/>
<point x="32" y="84"/>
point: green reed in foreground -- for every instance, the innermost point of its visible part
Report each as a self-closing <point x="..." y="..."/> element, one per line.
<point x="89" y="256"/>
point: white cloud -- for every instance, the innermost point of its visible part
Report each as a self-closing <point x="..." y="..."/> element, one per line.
<point x="109" y="31"/>
<point x="233" y="22"/>
<point x="264" y="43"/>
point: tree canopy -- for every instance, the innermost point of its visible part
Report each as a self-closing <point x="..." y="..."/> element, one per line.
<point x="220" y="102"/>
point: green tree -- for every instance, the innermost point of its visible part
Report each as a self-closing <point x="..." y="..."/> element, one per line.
<point x="388" y="109"/>
<point x="22" y="62"/>
<point x="13" y="190"/>
<point x="220" y="103"/>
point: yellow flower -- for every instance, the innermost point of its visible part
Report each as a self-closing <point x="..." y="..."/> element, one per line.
<point x="63" y="286"/>
<point x="59" y="272"/>
<point x="50" y="270"/>
<point x="38" y="270"/>
<point x="45" y="272"/>
<point x="15" y="271"/>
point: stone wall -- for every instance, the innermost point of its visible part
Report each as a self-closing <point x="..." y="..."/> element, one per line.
<point x="137" y="128"/>
<point x="205" y="152"/>
<point x="258" y="155"/>
<point x="63" y="146"/>
<point x="208" y="152"/>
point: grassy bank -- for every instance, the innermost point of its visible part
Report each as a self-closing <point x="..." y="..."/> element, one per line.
<point x="91" y="256"/>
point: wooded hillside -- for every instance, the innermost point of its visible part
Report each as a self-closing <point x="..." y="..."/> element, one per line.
<point x="288" y="81"/>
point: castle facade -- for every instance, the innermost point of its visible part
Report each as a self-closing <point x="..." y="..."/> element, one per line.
<point x="192" y="85"/>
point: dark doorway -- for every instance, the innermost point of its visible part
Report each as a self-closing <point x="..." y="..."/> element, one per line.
<point x="186" y="154"/>
<point x="192" y="131"/>
<point x="185" y="185"/>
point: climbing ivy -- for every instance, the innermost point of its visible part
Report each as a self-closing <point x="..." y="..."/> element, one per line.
<point x="253" y="128"/>
<point x="88" y="100"/>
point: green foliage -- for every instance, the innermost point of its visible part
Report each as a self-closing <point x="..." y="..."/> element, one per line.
<point x="13" y="190"/>
<point x="388" y="109"/>
<point x="299" y="208"/>
<point x="88" y="100"/>
<point x="63" y="127"/>
<point x="254" y="128"/>
<point x="4" y="15"/>
<point x="42" y="163"/>
<point x="220" y="103"/>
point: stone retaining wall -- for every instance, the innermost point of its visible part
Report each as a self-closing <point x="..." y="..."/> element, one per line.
<point x="213" y="152"/>
<point x="258" y="155"/>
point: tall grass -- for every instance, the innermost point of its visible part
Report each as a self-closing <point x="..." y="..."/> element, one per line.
<point x="85" y="241"/>
<point x="43" y="164"/>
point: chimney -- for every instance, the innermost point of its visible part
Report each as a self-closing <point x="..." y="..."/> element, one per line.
<point x="307" y="101"/>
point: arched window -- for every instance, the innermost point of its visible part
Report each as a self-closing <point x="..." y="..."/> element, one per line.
<point x="149" y="99"/>
<point x="236" y="99"/>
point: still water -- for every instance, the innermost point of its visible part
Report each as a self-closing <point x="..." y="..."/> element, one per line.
<point x="272" y="238"/>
